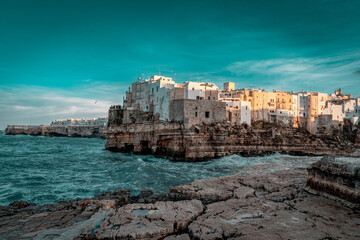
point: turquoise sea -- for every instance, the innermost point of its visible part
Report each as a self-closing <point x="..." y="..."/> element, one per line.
<point x="46" y="170"/>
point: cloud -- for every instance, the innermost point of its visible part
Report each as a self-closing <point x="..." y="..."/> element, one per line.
<point x="39" y="105"/>
<point x="299" y="73"/>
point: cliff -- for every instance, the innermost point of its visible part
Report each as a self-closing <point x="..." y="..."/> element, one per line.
<point x="261" y="205"/>
<point x="202" y="142"/>
<point x="63" y="131"/>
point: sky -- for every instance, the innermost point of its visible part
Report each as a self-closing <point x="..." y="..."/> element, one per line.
<point x="73" y="59"/>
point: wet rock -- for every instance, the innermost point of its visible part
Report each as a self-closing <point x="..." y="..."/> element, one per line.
<point x="121" y="197"/>
<point x="147" y="221"/>
<point x="178" y="237"/>
<point x="19" y="204"/>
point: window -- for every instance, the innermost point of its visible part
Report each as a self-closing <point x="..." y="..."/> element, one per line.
<point x="195" y="114"/>
<point x="197" y="98"/>
<point x="246" y="108"/>
<point x="152" y="90"/>
<point x="208" y="97"/>
<point x="195" y="108"/>
<point x="207" y="114"/>
<point x="193" y="89"/>
<point x="157" y="89"/>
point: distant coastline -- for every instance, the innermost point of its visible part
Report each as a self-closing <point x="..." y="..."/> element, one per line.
<point x="87" y="131"/>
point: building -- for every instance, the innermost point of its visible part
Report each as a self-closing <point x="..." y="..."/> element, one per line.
<point x="229" y="86"/>
<point x="161" y="98"/>
<point x="191" y="111"/>
<point x="80" y="122"/>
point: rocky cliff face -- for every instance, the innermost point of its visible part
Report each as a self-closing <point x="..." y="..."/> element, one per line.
<point x="63" y="131"/>
<point x="202" y="142"/>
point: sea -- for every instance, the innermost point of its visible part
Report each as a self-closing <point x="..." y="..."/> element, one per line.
<point x="46" y="170"/>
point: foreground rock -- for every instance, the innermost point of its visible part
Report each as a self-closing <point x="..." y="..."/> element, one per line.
<point x="264" y="205"/>
<point x="336" y="177"/>
<point x="147" y="221"/>
<point x="202" y="142"/>
<point x="62" y="131"/>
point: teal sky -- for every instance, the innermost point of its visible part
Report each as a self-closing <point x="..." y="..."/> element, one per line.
<point x="58" y="57"/>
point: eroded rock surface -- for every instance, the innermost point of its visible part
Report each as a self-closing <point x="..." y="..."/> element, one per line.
<point x="147" y="221"/>
<point x="336" y="177"/>
<point x="202" y="142"/>
<point x="265" y="205"/>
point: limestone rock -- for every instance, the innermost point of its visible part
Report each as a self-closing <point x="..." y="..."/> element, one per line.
<point x="264" y="205"/>
<point x="202" y="142"/>
<point x="337" y="178"/>
<point x="147" y="221"/>
<point x="209" y="190"/>
<point x="244" y="192"/>
<point x="178" y="237"/>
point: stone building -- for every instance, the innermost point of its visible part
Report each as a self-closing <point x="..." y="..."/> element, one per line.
<point x="190" y="111"/>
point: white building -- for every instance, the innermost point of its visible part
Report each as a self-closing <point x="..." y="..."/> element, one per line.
<point x="154" y="94"/>
<point x="239" y="112"/>
<point x="352" y="110"/>
<point x="197" y="90"/>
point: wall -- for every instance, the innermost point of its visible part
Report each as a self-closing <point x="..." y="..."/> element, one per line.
<point x="162" y="104"/>
<point x="192" y="112"/>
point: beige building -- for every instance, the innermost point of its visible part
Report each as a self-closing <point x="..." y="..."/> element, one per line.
<point x="229" y="86"/>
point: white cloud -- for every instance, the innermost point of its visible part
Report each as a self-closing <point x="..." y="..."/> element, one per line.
<point x="296" y="73"/>
<point x="39" y="105"/>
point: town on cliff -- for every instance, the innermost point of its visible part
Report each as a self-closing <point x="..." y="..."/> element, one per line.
<point x="196" y="121"/>
<point x="161" y="98"/>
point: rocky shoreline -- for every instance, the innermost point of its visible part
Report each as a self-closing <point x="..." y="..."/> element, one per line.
<point x="263" y="205"/>
<point x="58" y="131"/>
